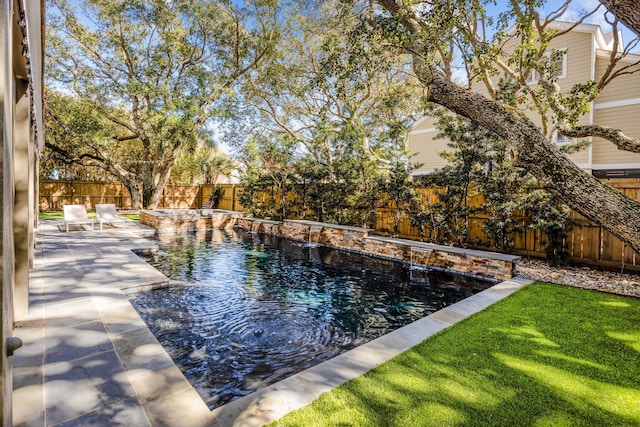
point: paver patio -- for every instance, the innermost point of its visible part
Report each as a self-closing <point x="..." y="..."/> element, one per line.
<point x="88" y="358"/>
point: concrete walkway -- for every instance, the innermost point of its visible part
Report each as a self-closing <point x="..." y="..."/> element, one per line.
<point x="89" y="360"/>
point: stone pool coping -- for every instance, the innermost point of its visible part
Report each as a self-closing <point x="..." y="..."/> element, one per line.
<point x="89" y="359"/>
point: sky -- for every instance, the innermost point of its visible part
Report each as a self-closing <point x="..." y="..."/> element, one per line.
<point x="577" y="9"/>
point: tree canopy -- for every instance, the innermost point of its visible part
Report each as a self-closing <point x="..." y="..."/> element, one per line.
<point x="432" y="32"/>
<point x="152" y="74"/>
<point x="333" y="110"/>
<point x="133" y="84"/>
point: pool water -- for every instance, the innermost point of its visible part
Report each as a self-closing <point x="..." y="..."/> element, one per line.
<point x="248" y="310"/>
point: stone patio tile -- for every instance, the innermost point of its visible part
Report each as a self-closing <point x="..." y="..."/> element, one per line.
<point x="505" y="288"/>
<point x="28" y="395"/>
<point x="76" y="311"/>
<point x="410" y="335"/>
<point x="140" y="271"/>
<point x="32" y="351"/>
<point x="139" y="349"/>
<point x="332" y="373"/>
<point x="54" y="257"/>
<point x="109" y="301"/>
<point x="422" y="329"/>
<point x="83" y="253"/>
<point x="368" y="355"/>
<point x="156" y="383"/>
<point x="58" y="278"/>
<point x="125" y="413"/>
<point x="124" y="320"/>
<point x="63" y="294"/>
<point x="180" y="410"/>
<point x="32" y="419"/>
<point x="380" y="352"/>
<point x="471" y="305"/>
<point x="264" y="406"/>
<point x="69" y="343"/>
<point x="79" y="386"/>
<point x="447" y="316"/>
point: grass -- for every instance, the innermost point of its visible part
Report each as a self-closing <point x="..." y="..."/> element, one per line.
<point x="548" y="355"/>
<point x="60" y="214"/>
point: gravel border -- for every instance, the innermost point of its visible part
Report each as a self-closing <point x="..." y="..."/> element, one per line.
<point x="580" y="277"/>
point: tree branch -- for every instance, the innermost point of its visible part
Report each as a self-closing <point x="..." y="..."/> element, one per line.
<point x="616" y="136"/>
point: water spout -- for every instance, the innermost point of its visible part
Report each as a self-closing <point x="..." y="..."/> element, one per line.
<point x="424" y="265"/>
<point x="314" y="236"/>
<point x="255" y="226"/>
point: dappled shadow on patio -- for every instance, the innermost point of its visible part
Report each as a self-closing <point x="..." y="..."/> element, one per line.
<point x="88" y="358"/>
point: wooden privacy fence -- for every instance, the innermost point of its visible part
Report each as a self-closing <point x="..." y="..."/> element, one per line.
<point x="587" y="242"/>
<point x="54" y="194"/>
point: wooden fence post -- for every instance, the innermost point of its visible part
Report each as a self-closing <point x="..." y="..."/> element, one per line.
<point x="233" y="197"/>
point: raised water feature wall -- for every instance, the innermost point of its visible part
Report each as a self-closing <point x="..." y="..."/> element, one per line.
<point x="488" y="265"/>
<point x="189" y="219"/>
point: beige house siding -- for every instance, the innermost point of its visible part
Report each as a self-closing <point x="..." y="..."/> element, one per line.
<point x="626" y="118"/>
<point x="424" y="147"/>
<point x="424" y="124"/>
<point x="579" y="46"/>
<point x="581" y="158"/>
<point x="617" y="106"/>
<point x="426" y="150"/>
<point x="625" y="87"/>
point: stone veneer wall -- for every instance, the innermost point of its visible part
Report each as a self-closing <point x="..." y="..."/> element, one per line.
<point x="260" y="225"/>
<point x="488" y="265"/>
<point x="189" y="220"/>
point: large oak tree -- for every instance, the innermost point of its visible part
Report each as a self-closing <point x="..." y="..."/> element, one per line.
<point x="435" y="32"/>
<point x="151" y="74"/>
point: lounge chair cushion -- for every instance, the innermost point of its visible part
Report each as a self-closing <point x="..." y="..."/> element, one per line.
<point x="76" y="214"/>
<point x="107" y="213"/>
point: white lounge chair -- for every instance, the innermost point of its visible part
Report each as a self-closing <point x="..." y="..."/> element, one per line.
<point x="107" y="213"/>
<point x="76" y="214"/>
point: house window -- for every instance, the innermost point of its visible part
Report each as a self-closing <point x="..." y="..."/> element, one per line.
<point x="560" y="139"/>
<point x="558" y="66"/>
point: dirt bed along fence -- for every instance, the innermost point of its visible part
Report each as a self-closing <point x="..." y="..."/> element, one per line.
<point x="588" y="243"/>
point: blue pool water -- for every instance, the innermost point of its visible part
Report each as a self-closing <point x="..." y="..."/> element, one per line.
<point x="249" y="310"/>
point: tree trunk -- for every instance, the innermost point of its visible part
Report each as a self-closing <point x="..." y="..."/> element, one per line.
<point x="584" y="193"/>
<point x="158" y="188"/>
<point x="134" y="191"/>
<point x="628" y="11"/>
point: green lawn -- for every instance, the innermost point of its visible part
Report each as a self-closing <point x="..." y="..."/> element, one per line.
<point x="59" y="214"/>
<point x="548" y="355"/>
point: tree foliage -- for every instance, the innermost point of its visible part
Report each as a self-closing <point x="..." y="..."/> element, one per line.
<point x="155" y="73"/>
<point x="434" y="31"/>
<point x="479" y="169"/>
<point x="344" y="106"/>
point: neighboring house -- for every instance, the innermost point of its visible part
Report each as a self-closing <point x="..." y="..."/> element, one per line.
<point x="618" y="106"/>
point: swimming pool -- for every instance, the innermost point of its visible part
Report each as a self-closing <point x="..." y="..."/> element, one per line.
<point x="248" y="310"/>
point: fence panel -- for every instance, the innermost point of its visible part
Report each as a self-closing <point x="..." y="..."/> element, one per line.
<point x="176" y="196"/>
<point x="587" y="242"/>
<point x="55" y="194"/>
